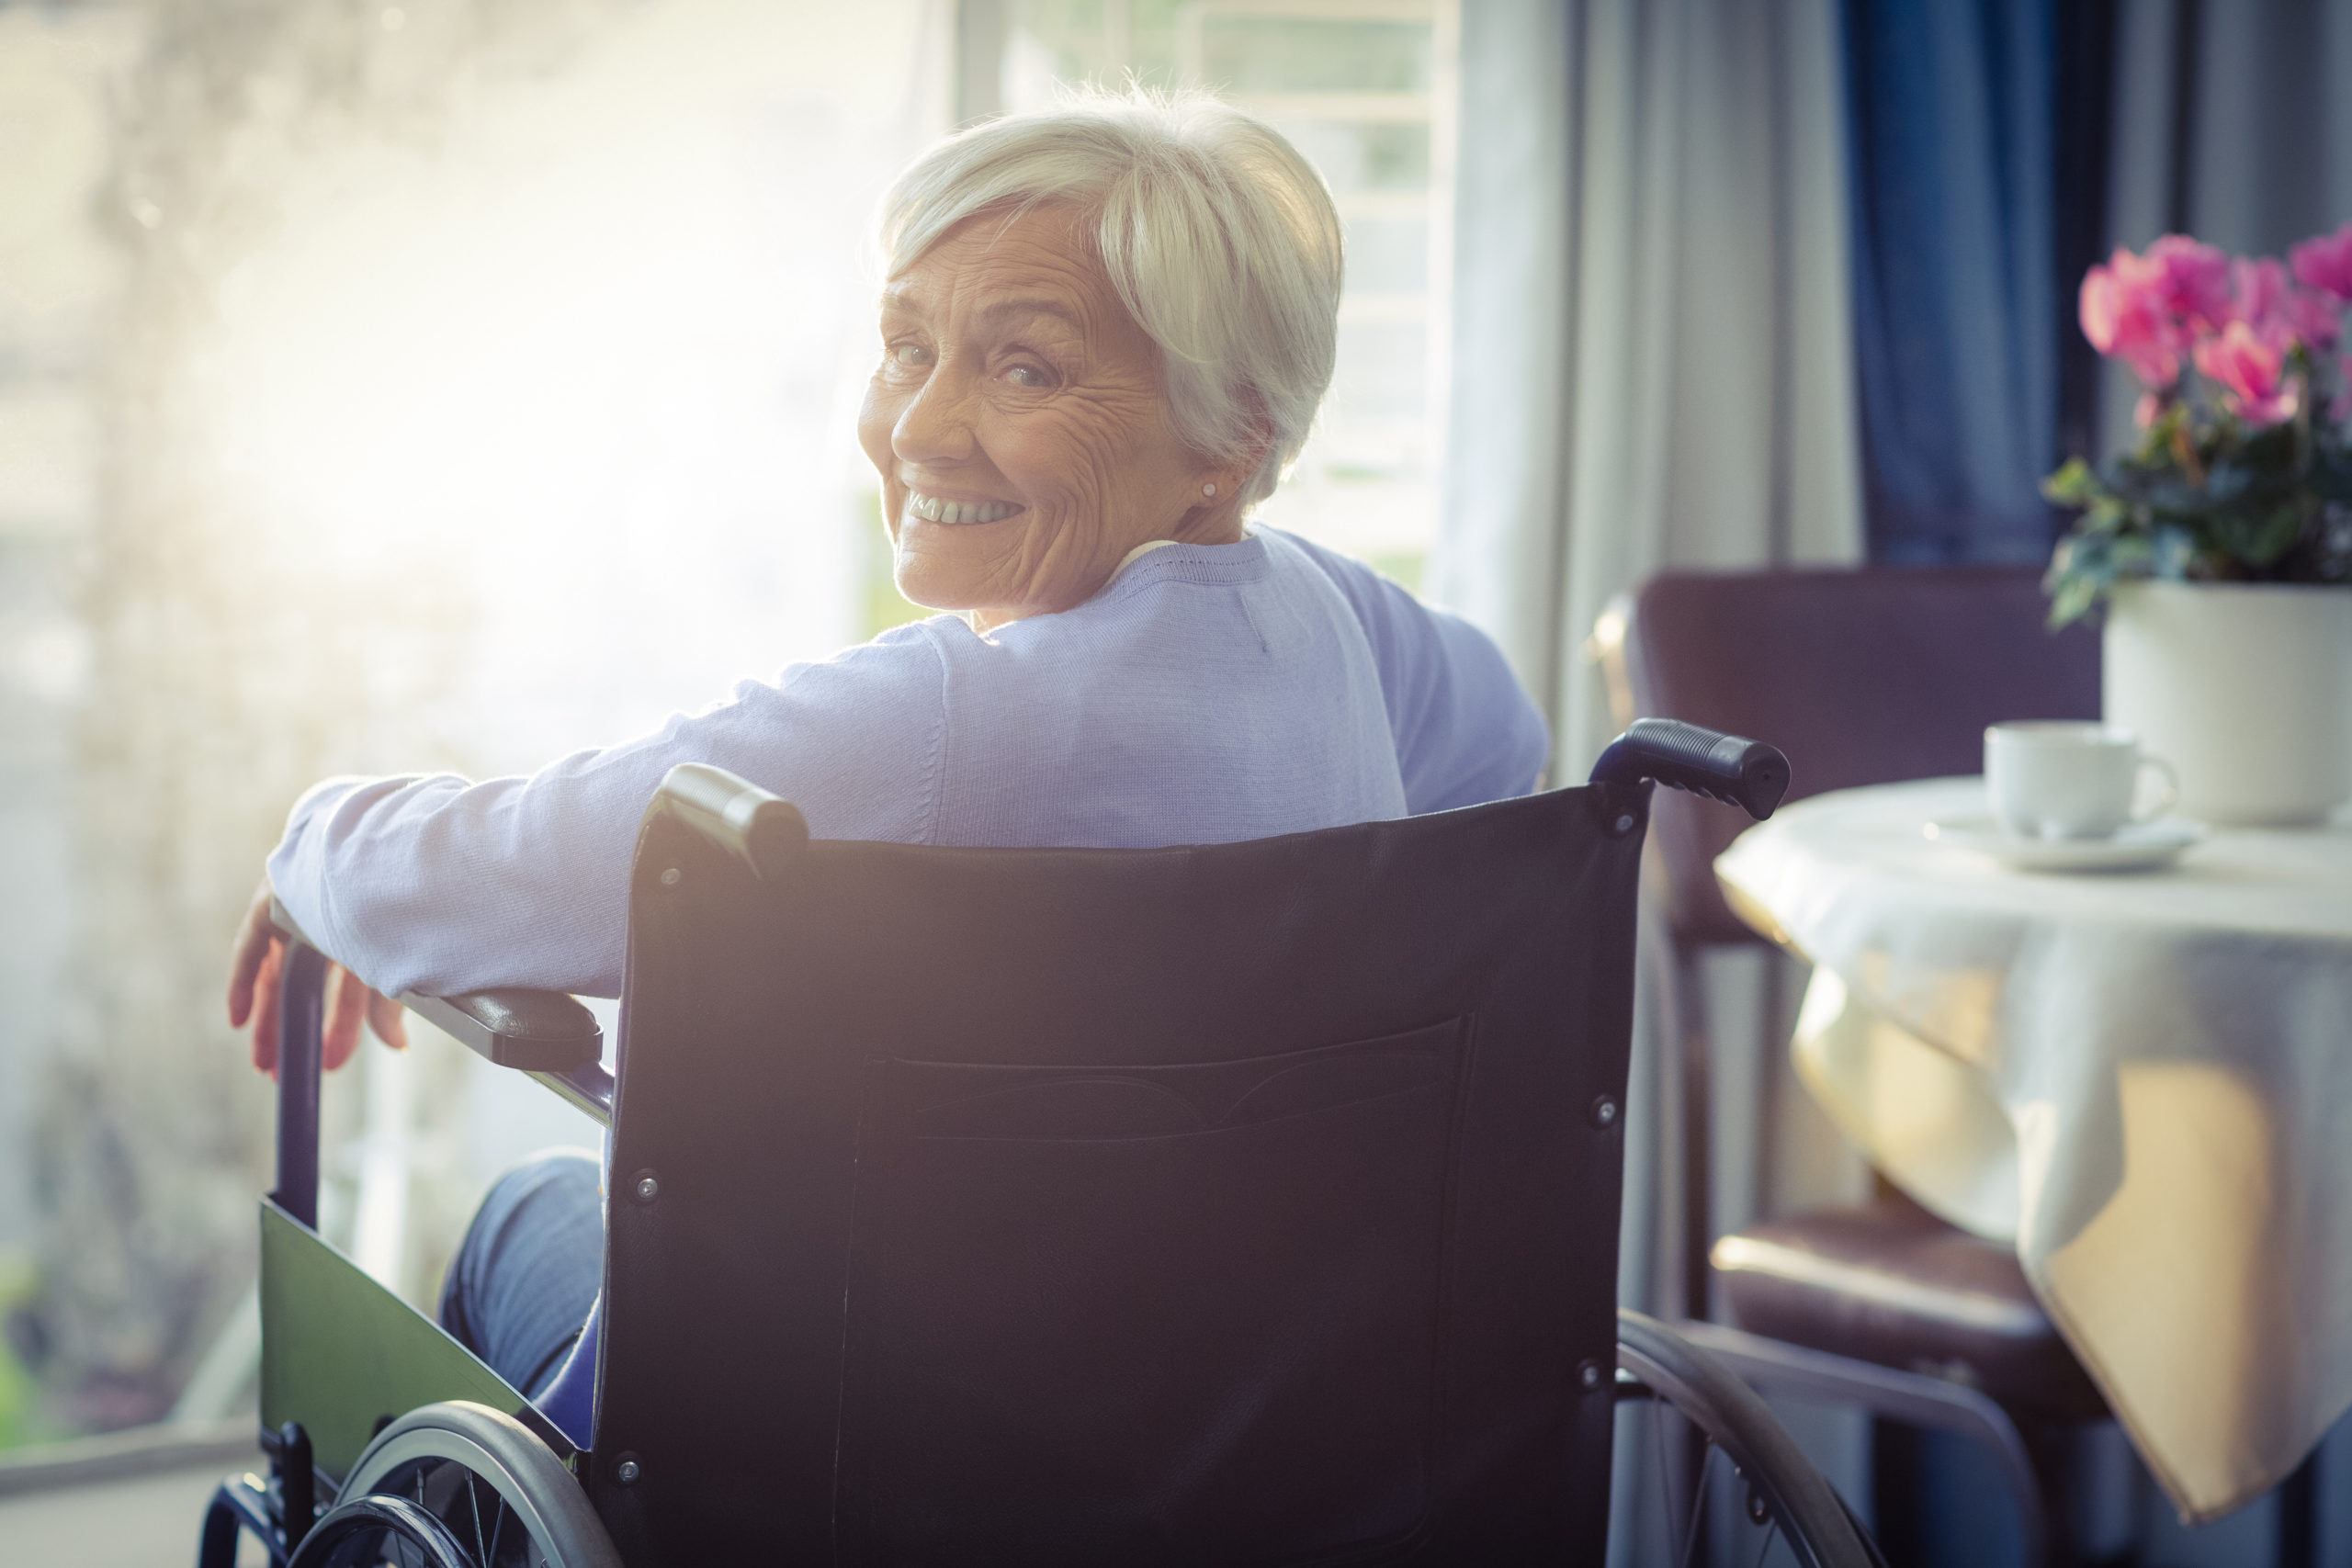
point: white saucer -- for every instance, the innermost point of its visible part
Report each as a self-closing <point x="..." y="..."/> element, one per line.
<point x="2136" y="846"/>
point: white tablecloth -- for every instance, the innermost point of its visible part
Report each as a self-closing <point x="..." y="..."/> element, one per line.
<point x="2143" y="1079"/>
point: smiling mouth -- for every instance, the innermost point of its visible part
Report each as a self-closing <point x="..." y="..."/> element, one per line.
<point x="931" y="509"/>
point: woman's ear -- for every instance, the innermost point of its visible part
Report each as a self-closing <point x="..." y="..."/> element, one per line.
<point x="1213" y="514"/>
<point x="1234" y="473"/>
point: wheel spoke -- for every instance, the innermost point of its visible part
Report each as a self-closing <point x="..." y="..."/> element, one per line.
<point x="1769" y="1536"/>
<point x="1665" y="1475"/>
<point x="1698" y="1505"/>
<point x="497" y="1527"/>
<point x="473" y="1506"/>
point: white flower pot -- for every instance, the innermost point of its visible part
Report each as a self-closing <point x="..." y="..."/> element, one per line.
<point x="2245" y="688"/>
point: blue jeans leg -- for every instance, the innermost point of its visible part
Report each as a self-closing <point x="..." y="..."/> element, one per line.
<point x="530" y="1266"/>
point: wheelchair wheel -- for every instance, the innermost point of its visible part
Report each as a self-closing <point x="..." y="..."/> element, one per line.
<point x="1703" y="1435"/>
<point x="458" y="1486"/>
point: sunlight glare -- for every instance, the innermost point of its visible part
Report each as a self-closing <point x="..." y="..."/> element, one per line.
<point x="590" y="345"/>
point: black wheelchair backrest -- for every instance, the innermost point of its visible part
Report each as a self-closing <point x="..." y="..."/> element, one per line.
<point x="1242" y="1202"/>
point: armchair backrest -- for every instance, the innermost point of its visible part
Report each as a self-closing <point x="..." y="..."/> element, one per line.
<point x="1862" y="677"/>
<point x="1246" y="1202"/>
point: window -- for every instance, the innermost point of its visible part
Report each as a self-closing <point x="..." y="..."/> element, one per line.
<point x="1365" y="89"/>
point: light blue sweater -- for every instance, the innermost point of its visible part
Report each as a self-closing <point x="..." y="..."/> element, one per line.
<point x="1208" y="693"/>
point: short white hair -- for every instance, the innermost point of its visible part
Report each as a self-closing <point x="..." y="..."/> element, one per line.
<point x="1220" y="239"/>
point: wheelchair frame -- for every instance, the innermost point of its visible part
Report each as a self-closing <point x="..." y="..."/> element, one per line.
<point x="365" y="1400"/>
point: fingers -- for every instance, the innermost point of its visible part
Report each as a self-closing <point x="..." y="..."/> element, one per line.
<point x="255" y="937"/>
<point x="258" y="960"/>
<point x="353" y="1000"/>
<point x="389" y="1020"/>
<point x="341" y="1037"/>
<point x="263" y="1001"/>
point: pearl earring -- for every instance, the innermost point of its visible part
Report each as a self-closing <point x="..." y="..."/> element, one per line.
<point x="1208" y="490"/>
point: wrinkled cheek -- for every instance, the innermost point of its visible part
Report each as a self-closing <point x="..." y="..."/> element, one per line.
<point x="1041" y="574"/>
<point x="1075" y="517"/>
<point x="876" y="419"/>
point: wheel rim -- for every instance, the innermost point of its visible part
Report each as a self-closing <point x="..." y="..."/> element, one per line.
<point x="1640" y="1377"/>
<point x="381" y="1530"/>
<point x="491" y="1484"/>
<point x="1679" y="1490"/>
<point x="1769" y="1514"/>
<point x="457" y="1481"/>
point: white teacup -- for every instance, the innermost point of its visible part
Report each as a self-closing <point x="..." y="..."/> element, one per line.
<point x="2060" y="780"/>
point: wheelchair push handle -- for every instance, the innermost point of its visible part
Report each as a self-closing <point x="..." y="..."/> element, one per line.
<point x="763" y="830"/>
<point x="1729" y="768"/>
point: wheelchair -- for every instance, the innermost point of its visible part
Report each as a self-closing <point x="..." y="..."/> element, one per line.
<point x="1243" y="1202"/>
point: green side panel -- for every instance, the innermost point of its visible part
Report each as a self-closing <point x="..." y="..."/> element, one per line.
<point x="340" y="1353"/>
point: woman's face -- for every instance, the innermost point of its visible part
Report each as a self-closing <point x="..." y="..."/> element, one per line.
<point x="1019" y="426"/>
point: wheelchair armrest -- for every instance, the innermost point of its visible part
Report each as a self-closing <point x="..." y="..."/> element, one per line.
<point x="535" y="1032"/>
<point x="1729" y="768"/>
<point x="539" y="1032"/>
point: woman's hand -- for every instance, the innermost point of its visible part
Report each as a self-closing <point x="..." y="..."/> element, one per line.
<point x="254" y="964"/>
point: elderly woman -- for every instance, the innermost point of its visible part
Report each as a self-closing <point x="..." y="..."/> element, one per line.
<point x="1104" y="333"/>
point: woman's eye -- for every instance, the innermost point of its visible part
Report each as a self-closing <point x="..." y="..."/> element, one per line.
<point x="1034" y="377"/>
<point x="912" y="356"/>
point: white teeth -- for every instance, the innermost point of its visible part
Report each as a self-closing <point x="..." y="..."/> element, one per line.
<point x="932" y="510"/>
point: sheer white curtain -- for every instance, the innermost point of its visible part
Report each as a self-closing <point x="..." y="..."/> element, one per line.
<point x="1650" y="356"/>
<point x="1651" y="368"/>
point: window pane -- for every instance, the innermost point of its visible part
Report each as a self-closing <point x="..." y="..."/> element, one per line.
<point x="1355" y="157"/>
<point x="1245" y="55"/>
<point x="1387" y="256"/>
<point x="1382" y="365"/>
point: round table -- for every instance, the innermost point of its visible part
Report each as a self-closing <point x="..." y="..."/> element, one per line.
<point x="2143" y="1079"/>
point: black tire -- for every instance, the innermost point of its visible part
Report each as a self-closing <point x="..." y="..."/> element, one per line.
<point x="1784" y="1489"/>
<point x="458" y="1486"/>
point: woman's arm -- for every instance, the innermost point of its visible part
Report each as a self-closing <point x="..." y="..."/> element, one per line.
<point x="438" y="884"/>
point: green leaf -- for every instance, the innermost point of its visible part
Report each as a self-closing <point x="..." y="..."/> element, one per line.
<point x="2272" y="535"/>
<point x="2074" y="484"/>
<point x="2072" y="598"/>
<point x="2175" y="552"/>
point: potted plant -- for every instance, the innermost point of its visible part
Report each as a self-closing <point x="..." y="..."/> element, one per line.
<point x="2220" y="547"/>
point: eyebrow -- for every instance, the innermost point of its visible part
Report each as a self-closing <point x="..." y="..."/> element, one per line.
<point x="1005" y="308"/>
<point x="900" y="298"/>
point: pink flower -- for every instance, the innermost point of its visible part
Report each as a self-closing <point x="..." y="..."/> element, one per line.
<point x="2324" y="263"/>
<point x="2146" y="309"/>
<point x="2123" y="318"/>
<point x="2313" y="317"/>
<point x="2257" y="289"/>
<point x="2280" y="313"/>
<point x="2252" y="374"/>
<point x="2191" y="280"/>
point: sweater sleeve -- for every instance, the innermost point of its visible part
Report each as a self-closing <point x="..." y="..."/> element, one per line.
<point x="437" y="883"/>
<point x="1465" y="733"/>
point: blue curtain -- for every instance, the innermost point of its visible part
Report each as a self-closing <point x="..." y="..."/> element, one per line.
<point x="1975" y="126"/>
